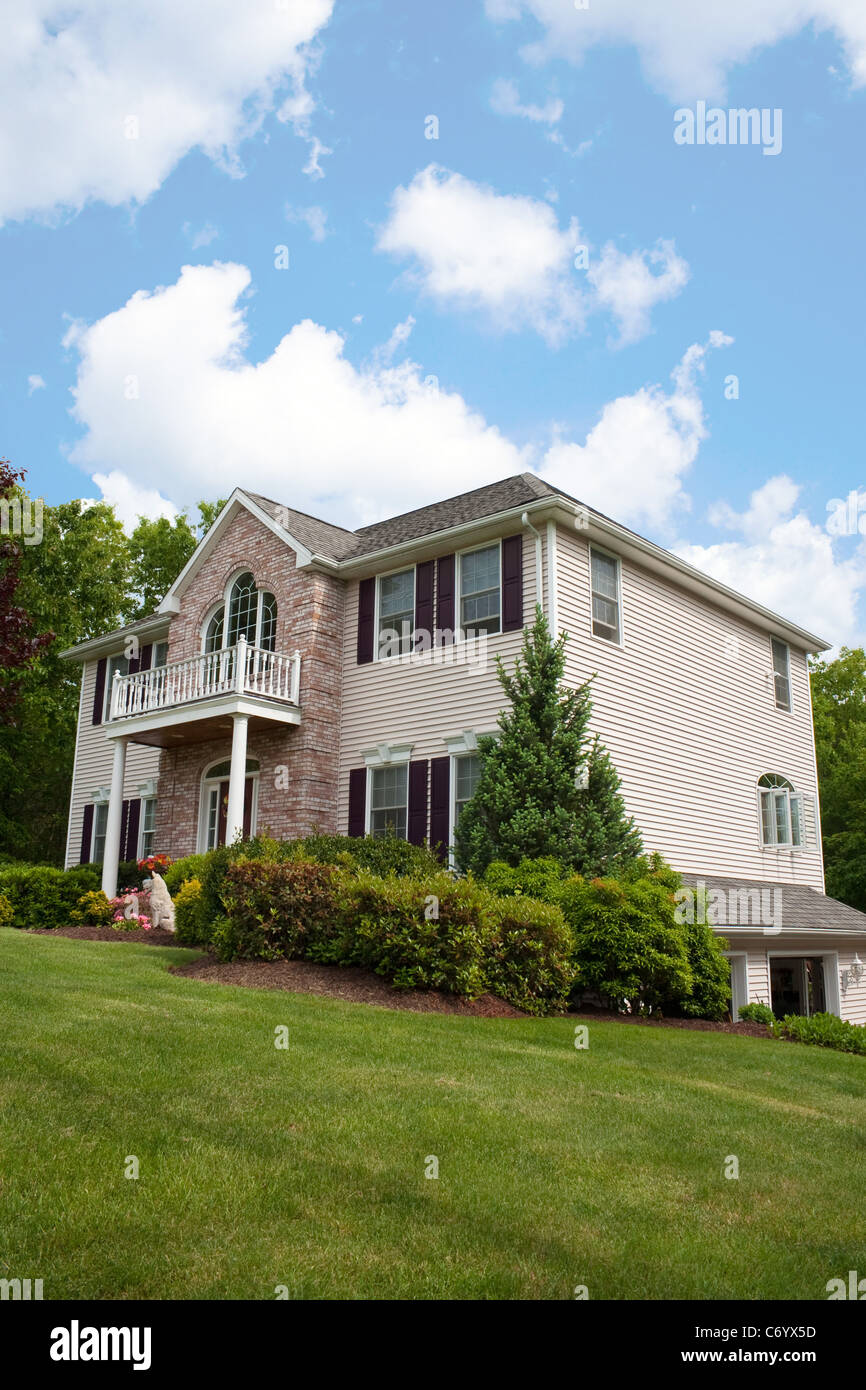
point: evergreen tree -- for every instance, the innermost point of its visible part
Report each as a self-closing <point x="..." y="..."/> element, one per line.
<point x="530" y="800"/>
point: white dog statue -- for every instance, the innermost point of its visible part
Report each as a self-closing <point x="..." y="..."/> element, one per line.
<point x="161" y="905"/>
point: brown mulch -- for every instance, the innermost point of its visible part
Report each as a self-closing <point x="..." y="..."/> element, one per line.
<point x="154" y="937"/>
<point x="349" y="982"/>
<point x="703" y="1025"/>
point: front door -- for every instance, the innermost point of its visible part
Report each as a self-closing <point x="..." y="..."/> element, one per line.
<point x="223" y="795"/>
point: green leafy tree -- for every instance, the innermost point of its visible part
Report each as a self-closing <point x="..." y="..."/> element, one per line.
<point x="839" y="707"/>
<point x="159" y="549"/>
<point x="529" y="802"/>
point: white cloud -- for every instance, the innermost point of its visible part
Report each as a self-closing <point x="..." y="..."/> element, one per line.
<point x="505" y="101"/>
<point x="635" y="458"/>
<point x="687" y="47"/>
<point x="203" y="237"/>
<point x="315" y="218"/>
<point x="304" y="426"/>
<point x="631" y="284"/>
<point x="101" y="100"/>
<point x="508" y="258"/>
<point x="130" y="501"/>
<point x="786" y="562"/>
<point x="35" y="383"/>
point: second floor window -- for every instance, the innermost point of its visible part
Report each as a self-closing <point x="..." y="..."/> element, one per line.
<point x="781" y="674"/>
<point x="252" y="613"/>
<point x="480" y="606"/>
<point x="781" y="813"/>
<point x="604" y="570"/>
<point x="396" y="612"/>
<point x="115" y="663"/>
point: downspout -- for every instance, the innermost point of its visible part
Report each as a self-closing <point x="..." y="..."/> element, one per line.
<point x="538" y="572"/>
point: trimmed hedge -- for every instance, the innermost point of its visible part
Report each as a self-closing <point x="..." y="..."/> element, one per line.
<point x="42" y="897"/>
<point x="531" y="954"/>
<point x="191" y="924"/>
<point x="273" y="909"/>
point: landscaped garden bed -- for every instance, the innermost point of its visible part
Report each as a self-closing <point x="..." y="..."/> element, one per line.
<point x="153" y="937"/>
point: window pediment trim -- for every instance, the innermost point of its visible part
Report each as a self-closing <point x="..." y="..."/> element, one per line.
<point x="386" y="754"/>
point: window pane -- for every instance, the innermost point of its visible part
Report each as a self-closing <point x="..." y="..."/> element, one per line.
<point x="468" y="771"/>
<point x="783" y="829"/>
<point x="160" y="654"/>
<point x="268" y="630"/>
<point x="605" y="597"/>
<point x="214" y="635"/>
<point x="781" y="674"/>
<point x="766" y="819"/>
<point x="100" y="823"/>
<point x="396" y="612"/>
<point x="388" y="798"/>
<point x="479" y="590"/>
<point x="148" y="826"/>
<point x="243" y="610"/>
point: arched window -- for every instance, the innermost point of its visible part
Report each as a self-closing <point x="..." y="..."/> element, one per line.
<point x="781" y="812"/>
<point x="214" y="802"/>
<point x="252" y="613"/>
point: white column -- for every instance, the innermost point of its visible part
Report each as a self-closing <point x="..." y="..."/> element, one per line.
<point x="115" y="815"/>
<point x="237" y="779"/>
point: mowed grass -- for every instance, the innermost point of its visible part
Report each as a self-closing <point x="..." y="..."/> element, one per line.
<point x="305" y="1167"/>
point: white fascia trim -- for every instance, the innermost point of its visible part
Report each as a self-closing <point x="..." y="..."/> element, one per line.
<point x="387" y="754"/>
<point x="237" y="500"/>
<point x="150" y="629"/>
<point x="199" y="711"/>
<point x="767" y="935"/>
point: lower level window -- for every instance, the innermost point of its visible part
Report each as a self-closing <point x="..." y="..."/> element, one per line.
<point x="148" y="827"/>
<point x="100" y="824"/>
<point x="467" y="770"/>
<point x="388" y="799"/>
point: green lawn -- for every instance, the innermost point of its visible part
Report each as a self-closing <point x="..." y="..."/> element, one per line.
<point x="305" y="1167"/>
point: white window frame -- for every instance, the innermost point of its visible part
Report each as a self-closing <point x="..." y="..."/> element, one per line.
<point x="111" y="665"/>
<point x="384" y="766"/>
<point x="784" y="846"/>
<point x="163" y="642"/>
<point x="608" y="641"/>
<point x="459" y="632"/>
<point x="143" y="852"/>
<point x="452" y="788"/>
<point x="377" y="622"/>
<point x="99" y="804"/>
<point x="224" y="605"/>
<point x="789" y="708"/>
<point x="830" y="961"/>
<point x="204" y="801"/>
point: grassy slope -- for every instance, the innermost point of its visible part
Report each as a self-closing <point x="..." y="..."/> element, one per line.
<point x="306" y="1167"/>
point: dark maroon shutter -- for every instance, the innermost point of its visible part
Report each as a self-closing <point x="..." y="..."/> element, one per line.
<point x="424" y="605"/>
<point x="358" y="801"/>
<point x="445" y="568"/>
<point x="512" y="583"/>
<point x="86" y="834"/>
<point x="366" y="620"/>
<point x="146" y="657"/>
<point x="99" y="692"/>
<point x="132" y="823"/>
<point x="416" y="827"/>
<point x="440" y="810"/>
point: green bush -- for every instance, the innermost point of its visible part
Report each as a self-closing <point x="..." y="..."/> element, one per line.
<point x="628" y="945"/>
<point x="92" y="910"/>
<point x="182" y="870"/>
<point x="6" y="913"/>
<point x="191" y="924"/>
<point x="757" y="1013"/>
<point x="381" y="856"/>
<point x="710" y="995"/>
<point x="129" y="875"/>
<point x="530" y="959"/>
<point x="273" y="908"/>
<point x="823" y="1030"/>
<point x="535" y="878"/>
<point x="43" y="897"/>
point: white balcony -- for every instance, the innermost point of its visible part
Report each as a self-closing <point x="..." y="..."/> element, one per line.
<point x="239" y="670"/>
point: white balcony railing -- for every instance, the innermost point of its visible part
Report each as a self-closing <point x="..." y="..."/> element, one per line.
<point x="239" y="670"/>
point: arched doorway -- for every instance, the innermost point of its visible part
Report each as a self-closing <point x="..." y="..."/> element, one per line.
<point x="214" y="803"/>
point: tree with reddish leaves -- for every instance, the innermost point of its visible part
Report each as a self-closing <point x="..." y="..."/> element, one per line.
<point x="20" y="644"/>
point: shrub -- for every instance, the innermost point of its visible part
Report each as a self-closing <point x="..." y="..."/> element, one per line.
<point x="421" y="933"/>
<point x="129" y="875"/>
<point x="43" y="897"/>
<point x="191" y="925"/>
<point x="628" y="945"/>
<point x="380" y="856"/>
<point x="823" y="1030"/>
<point x="6" y="913"/>
<point x="182" y="870"/>
<point x="530" y="957"/>
<point x="273" y="908"/>
<point x="757" y="1013"/>
<point x="536" y="878"/>
<point x="92" y="910"/>
<point x="710" y="995"/>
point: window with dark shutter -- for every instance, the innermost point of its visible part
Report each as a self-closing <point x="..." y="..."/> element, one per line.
<point x="99" y="690"/>
<point x="358" y="801"/>
<point x="416" y="832"/>
<point x="133" y="820"/>
<point x="512" y="583"/>
<point x="424" y="606"/>
<point x="366" y="620"/>
<point x="86" y="834"/>
<point x="440" y="778"/>
<point x="445" y="583"/>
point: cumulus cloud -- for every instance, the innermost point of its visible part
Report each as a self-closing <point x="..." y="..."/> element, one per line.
<point x="101" y="101"/>
<point x="635" y="459"/>
<point x="164" y="385"/>
<point x="507" y="257"/>
<point x="505" y="101"/>
<point x="686" y="48"/>
<point x="630" y="285"/>
<point x="786" y="562"/>
<point x="131" y="501"/>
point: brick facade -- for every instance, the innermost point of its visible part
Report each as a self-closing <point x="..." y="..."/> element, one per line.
<point x="299" y="764"/>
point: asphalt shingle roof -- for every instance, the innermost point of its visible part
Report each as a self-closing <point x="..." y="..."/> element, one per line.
<point x="801" y="907"/>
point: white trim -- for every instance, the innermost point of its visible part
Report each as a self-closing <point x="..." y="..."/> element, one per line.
<point x="148" y="790"/>
<point x="145" y="800"/>
<point x="459" y="744"/>
<point x="832" y="984"/>
<point x="201" y="711"/>
<point x="386" y="754"/>
<point x="608" y="555"/>
<point x="201" y="835"/>
<point x="742" y="960"/>
<point x="819" y="842"/>
<point x="386" y="574"/>
<point x="459" y="634"/>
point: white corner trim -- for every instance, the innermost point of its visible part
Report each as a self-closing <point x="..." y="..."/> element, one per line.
<point x="387" y="754"/>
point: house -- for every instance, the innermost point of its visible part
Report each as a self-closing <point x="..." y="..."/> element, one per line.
<point x="301" y="675"/>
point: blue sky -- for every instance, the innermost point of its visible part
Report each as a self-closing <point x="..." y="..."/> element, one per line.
<point x="432" y="330"/>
